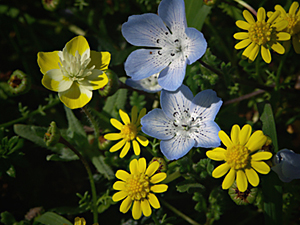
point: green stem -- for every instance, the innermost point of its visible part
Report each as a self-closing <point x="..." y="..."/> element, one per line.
<point x="35" y="112"/>
<point x="172" y="176"/>
<point x="155" y="220"/>
<point x="90" y="174"/>
<point x="176" y="211"/>
<point x="93" y="122"/>
<point x="277" y="79"/>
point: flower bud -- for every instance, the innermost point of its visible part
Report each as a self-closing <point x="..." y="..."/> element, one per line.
<point x="286" y="165"/>
<point x="242" y="198"/>
<point x="19" y="83"/>
<point x="112" y="86"/>
<point x="209" y="2"/>
<point x="50" y="5"/>
<point x="103" y="143"/>
<point x="162" y="164"/>
<point x="52" y="135"/>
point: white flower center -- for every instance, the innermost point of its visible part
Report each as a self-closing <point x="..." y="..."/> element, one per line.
<point x="150" y="82"/>
<point x="75" y="67"/>
<point x="185" y="122"/>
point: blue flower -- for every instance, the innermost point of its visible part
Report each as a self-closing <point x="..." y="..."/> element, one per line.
<point x="171" y="45"/>
<point x="184" y="121"/>
<point x="287" y="165"/>
<point x="148" y="84"/>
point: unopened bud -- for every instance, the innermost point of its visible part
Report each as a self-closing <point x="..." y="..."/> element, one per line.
<point x="112" y="85"/>
<point x="19" y="83"/>
<point x="242" y="198"/>
<point x="50" y="5"/>
<point x="162" y="164"/>
<point x="103" y="143"/>
<point x="52" y="135"/>
<point x="209" y="2"/>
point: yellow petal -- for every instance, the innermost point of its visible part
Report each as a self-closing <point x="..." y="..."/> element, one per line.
<point x="225" y="139"/>
<point x="248" y="16"/>
<point x="142" y="165"/>
<point x="122" y="175"/>
<point x="79" y="221"/>
<point x="293" y="8"/>
<point x="143" y="140"/>
<point x="152" y="168"/>
<point x="265" y="54"/>
<point x="158" y="178"/>
<point x="241" y="181"/>
<point x="252" y="177"/>
<point x="124" y="116"/>
<point x="278" y="48"/>
<point x="125" y="149"/>
<point x="254" y="53"/>
<point x="97" y="80"/>
<point x="280" y="25"/>
<point x="279" y="8"/>
<point x="248" y="50"/>
<point x="119" y="196"/>
<point x="220" y="170"/>
<point x="159" y="188"/>
<point x="241" y="35"/>
<point x="136" y="147"/>
<point x="134" y="114"/>
<point x="119" y="185"/>
<point x="125" y="205"/>
<point x="243" y="44"/>
<point x="146" y="209"/>
<point x="117" y="146"/>
<point x="142" y="113"/>
<point x="75" y="97"/>
<point x="136" y="210"/>
<point x="79" y="44"/>
<point x="296" y="42"/>
<point x="48" y="61"/>
<point x="261" y="156"/>
<point x="245" y="134"/>
<point x="216" y="155"/>
<point x="283" y="36"/>
<point x="113" y="136"/>
<point x="256" y="141"/>
<point x="260" y="167"/>
<point x="261" y="14"/>
<point x="153" y="201"/>
<point x="134" y="167"/>
<point x="235" y="134"/>
<point x="116" y="123"/>
<point x="273" y="17"/>
<point x="229" y="179"/>
<point x="242" y="24"/>
<point x="54" y="80"/>
<point x="100" y="60"/>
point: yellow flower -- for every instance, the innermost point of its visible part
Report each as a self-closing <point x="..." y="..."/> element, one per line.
<point x="293" y="19"/>
<point x="138" y="186"/>
<point x="128" y="132"/>
<point x="241" y="159"/>
<point x="74" y="72"/>
<point x="80" y="221"/>
<point x="261" y="35"/>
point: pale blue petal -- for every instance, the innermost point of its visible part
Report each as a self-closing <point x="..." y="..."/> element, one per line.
<point x="196" y="45"/>
<point x="206" y="105"/>
<point x="148" y="84"/>
<point x="206" y="136"/>
<point x="173" y="14"/>
<point x="176" y="147"/>
<point x="145" y="30"/>
<point x="157" y="125"/>
<point x="172" y="77"/>
<point x="176" y="101"/>
<point x="143" y="63"/>
<point x="287" y="165"/>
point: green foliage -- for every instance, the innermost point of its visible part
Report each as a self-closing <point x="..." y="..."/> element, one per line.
<point x="137" y="100"/>
<point x="51" y="218"/>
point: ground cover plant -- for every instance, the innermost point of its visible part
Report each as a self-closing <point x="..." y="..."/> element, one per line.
<point x="149" y="112"/>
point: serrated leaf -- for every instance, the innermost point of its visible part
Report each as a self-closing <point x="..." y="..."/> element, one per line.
<point x="51" y="218"/>
<point x="186" y="187"/>
<point x="101" y="166"/>
<point x="74" y="124"/>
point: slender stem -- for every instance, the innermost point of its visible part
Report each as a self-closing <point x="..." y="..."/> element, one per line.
<point x="210" y="68"/>
<point x="93" y="122"/>
<point x="277" y="79"/>
<point x="260" y="91"/>
<point x="172" y="176"/>
<point x="90" y="174"/>
<point x="185" y="217"/>
<point x="155" y="220"/>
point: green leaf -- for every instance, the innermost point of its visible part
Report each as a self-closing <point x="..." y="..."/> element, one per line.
<point x="101" y="166"/>
<point x="267" y="118"/>
<point x="115" y="102"/>
<point x="75" y="127"/>
<point x="196" y="13"/>
<point x="51" y="218"/>
<point x="7" y="218"/>
<point x="184" y="187"/>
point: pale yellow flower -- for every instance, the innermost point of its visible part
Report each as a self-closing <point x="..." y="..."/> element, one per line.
<point x="138" y="187"/>
<point x="261" y="35"/>
<point x="241" y="157"/>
